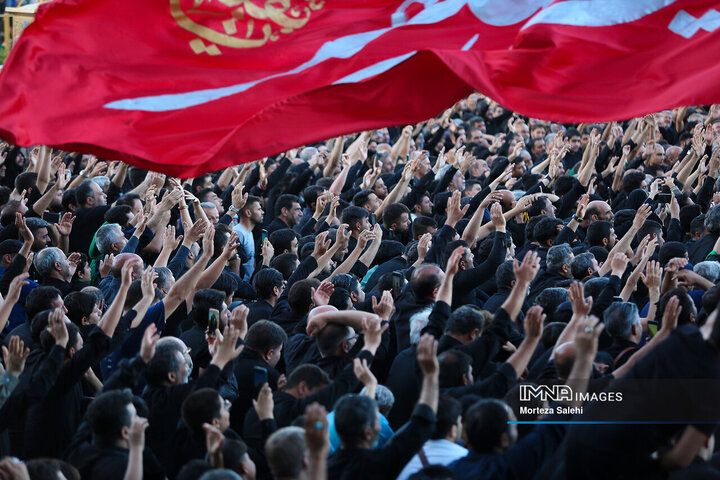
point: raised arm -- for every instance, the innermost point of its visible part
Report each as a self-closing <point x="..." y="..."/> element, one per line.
<point x="109" y="321"/>
<point x="533" y="331"/>
<point x="524" y="275"/>
<point x="184" y="287"/>
<point x="624" y="243"/>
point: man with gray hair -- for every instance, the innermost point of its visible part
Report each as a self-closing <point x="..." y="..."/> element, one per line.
<point x="211" y="211"/>
<point x="709" y="270"/>
<point x="109" y="239"/>
<point x="622" y="323"/>
<point x="557" y="271"/>
<point x="55" y="269"/>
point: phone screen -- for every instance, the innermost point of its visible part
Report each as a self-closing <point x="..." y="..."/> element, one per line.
<point x="260" y="377"/>
<point x="372" y="219"/>
<point x="263" y="235"/>
<point x="213" y="321"/>
<point x="51" y="217"/>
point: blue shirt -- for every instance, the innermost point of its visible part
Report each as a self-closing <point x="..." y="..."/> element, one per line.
<point x="385" y="433"/>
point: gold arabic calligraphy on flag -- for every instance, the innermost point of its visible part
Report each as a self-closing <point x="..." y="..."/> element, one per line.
<point x="240" y="23"/>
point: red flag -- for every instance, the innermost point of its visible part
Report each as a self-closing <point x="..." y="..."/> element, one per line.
<point x="190" y="86"/>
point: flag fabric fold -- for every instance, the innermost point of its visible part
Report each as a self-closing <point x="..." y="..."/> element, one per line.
<point x="190" y="86"/>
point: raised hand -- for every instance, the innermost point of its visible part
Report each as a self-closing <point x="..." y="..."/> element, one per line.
<point x="66" y="224"/>
<point x="586" y="337"/>
<point x="317" y="436"/>
<point x="106" y="265"/>
<point x="671" y="314"/>
<point x="653" y="275"/>
<point x="22" y="227"/>
<point x="238" y="320"/>
<point x="497" y="218"/>
<point x="231" y="246"/>
<point x="427" y="355"/>
<point x="57" y="327"/>
<point x="149" y="342"/>
<point x="423" y="244"/>
<point x="321" y="296"/>
<point x="225" y="350"/>
<point x="453" y="263"/>
<point x="208" y="244"/>
<point x="386" y="307"/>
<point x="362" y="372"/>
<point x="642" y="214"/>
<point x="534" y="322"/>
<point x="194" y="233"/>
<point x="15" y="355"/>
<point x="322" y="244"/>
<point x="264" y="405"/>
<point x="580" y="306"/>
<point x="526" y="271"/>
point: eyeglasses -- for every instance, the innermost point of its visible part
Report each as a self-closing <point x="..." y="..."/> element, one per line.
<point x="227" y="403"/>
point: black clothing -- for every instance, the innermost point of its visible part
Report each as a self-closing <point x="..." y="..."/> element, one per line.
<point x="260" y="310"/>
<point x="87" y="221"/>
<point x="386" y="462"/>
<point x="165" y="409"/>
<point x="678" y="380"/>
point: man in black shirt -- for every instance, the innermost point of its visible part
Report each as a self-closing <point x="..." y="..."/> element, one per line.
<point x="358" y="426"/>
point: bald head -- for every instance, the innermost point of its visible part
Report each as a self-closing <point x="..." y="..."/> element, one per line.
<point x="426" y="280"/>
<point x="672" y="154"/>
<point x="564" y="358"/>
<point x="508" y="199"/>
<point x="598" y="210"/>
<point x="125" y="258"/>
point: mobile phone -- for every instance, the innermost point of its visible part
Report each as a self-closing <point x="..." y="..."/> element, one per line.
<point x="653" y="326"/>
<point x="51" y="217"/>
<point x="397" y="284"/>
<point x="213" y="321"/>
<point x="263" y="236"/>
<point x="664" y="197"/>
<point x="372" y="219"/>
<point x="260" y="377"/>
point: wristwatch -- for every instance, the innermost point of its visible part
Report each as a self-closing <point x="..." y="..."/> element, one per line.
<point x="233" y="209"/>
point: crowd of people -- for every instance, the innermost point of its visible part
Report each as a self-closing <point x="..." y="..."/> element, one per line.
<point x="374" y="306"/>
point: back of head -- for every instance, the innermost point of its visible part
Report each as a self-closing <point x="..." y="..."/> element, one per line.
<point x="203" y="301"/>
<point x="712" y="220"/>
<point x="687" y="314"/>
<point x="300" y="295"/>
<point x="193" y="469"/>
<point x="265" y="335"/>
<point x="619" y="319"/>
<point x="234" y="453"/>
<point x="600" y="254"/>
<point x="201" y="406"/>
<point x="331" y="337"/>
<point x="505" y="275"/>
<point x="282" y="240"/>
<point x="546" y="230"/>
<point x="453" y="365"/>
<point x="557" y="256"/>
<point x="221" y="474"/>
<point x="484" y="423"/>
<point x="597" y="232"/>
<point x="108" y="414"/>
<point x="312" y="375"/>
<point x="51" y="469"/>
<point x="465" y="319"/>
<point x="650" y="227"/>
<point x="353" y="414"/>
<point x="709" y="270"/>
<point x="422" y="225"/>
<point x="388" y="250"/>
<point x="582" y="264"/>
<point x="425" y="279"/>
<point x="285" y="452"/>
<point x="285" y="263"/>
<point x="163" y="362"/>
<point x="265" y="281"/>
<point x="448" y="414"/>
<point x="79" y="305"/>
<point x="671" y="250"/>
<point x="433" y="472"/>
<point x="551" y="298"/>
